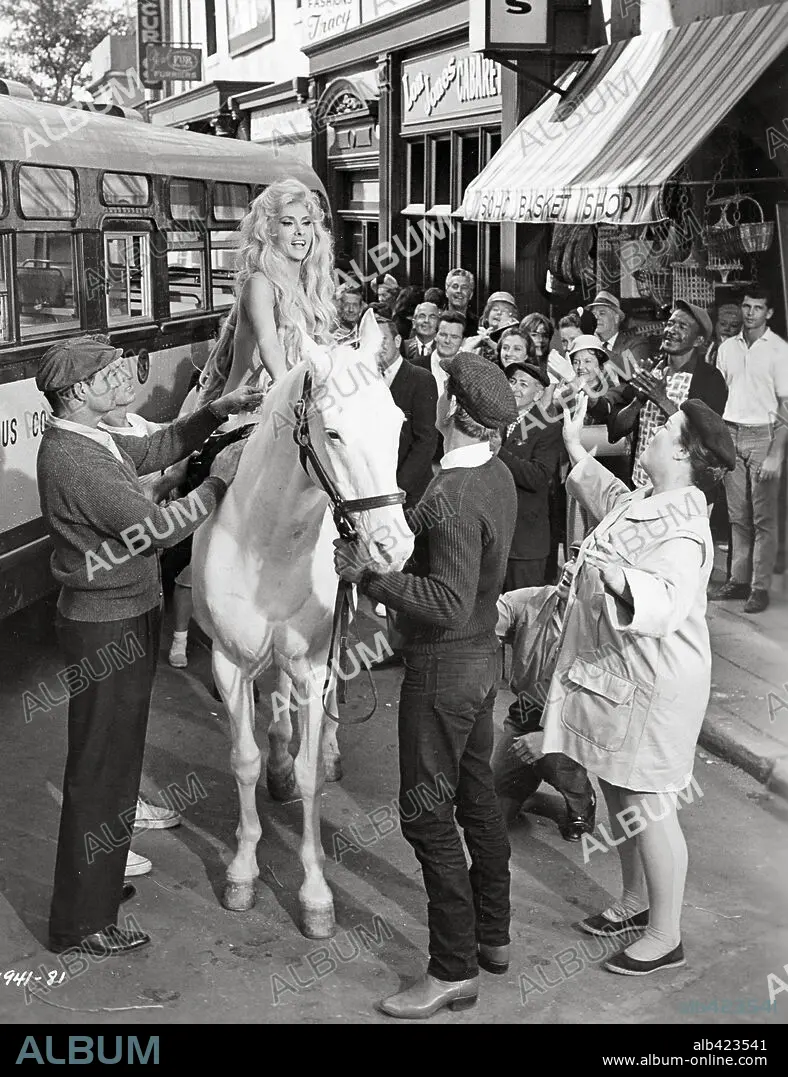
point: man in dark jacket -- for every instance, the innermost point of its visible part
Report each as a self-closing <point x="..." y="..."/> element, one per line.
<point x="530" y="448"/>
<point x="105" y="533"/>
<point x="448" y="694"/>
<point x="643" y="404"/>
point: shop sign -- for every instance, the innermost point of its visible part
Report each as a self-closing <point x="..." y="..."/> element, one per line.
<point x="171" y="62"/>
<point x="150" y="31"/>
<point x="327" y="18"/>
<point x="507" y="24"/>
<point x="449" y="85"/>
<point x="566" y="205"/>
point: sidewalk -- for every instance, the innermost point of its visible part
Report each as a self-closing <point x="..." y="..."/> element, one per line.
<point x="747" y="719"/>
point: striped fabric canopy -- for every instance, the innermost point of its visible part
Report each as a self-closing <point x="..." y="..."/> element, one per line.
<point x="632" y="116"/>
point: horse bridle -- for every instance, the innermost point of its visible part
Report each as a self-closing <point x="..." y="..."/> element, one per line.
<point x="342" y="509"/>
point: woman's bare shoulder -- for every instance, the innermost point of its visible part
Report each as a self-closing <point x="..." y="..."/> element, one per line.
<point x="258" y="287"/>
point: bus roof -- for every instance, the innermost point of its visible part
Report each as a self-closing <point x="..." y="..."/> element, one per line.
<point x="42" y="134"/>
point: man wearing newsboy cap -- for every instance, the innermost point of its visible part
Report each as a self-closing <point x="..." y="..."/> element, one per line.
<point x="105" y="533"/>
<point x="451" y="678"/>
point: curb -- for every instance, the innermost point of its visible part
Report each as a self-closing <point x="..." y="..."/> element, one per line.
<point x="755" y="754"/>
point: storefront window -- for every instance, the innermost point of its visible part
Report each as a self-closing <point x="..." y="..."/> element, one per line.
<point x="440" y="203"/>
<point x="416" y="196"/>
<point x="45" y="282"/>
<point x="186" y="271"/>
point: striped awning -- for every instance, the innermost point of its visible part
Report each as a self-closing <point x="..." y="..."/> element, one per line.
<point x="630" y="119"/>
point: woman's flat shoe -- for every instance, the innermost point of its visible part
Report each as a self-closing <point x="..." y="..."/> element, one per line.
<point x="630" y="966"/>
<point x="602" y="925"/>
<point x="493" y="959"/>
<point x="428" y="995"/>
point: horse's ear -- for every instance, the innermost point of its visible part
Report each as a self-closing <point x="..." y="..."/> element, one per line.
<point x="370" y="337"/>
<point x="318" y="357"/>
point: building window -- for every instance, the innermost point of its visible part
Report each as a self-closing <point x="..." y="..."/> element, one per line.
<point x="49" y="193"/>
<point x="186" y="272"/>
<point x="124" y="189"/>
<point x="415" y="180"/>
<point x="224" y="247"/>
<point x="230" y="201"/>
<point x="187" y="199"/>
<point x="127" y="260"/>
<point x="210" y="27"/>
<point x="45" y="274"/>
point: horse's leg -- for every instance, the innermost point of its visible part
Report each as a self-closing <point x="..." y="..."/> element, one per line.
<point x="332" y="760"/>
<point x="317" y="904"/>
<point x="279" y="771"/>
<point x="236" y="691"/>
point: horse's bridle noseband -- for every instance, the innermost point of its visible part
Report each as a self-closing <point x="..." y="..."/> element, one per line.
<point x="342" y="510"/>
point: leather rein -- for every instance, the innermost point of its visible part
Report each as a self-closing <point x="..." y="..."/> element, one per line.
<point x="342" y="510"/>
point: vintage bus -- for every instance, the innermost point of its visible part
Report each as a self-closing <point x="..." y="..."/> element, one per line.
<point x="111" y="225"/>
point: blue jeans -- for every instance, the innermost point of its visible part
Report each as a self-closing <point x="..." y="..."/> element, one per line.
<point x="445" y="745"/>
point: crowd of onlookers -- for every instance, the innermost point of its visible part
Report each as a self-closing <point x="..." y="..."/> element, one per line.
<point x="635" y="377"/>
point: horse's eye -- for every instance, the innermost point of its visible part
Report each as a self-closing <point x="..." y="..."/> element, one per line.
<point x="333" y="435"/>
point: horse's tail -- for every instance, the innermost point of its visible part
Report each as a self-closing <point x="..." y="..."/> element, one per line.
<point x="217" y="368"/>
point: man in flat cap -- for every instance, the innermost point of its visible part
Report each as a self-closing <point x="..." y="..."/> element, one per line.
<point x="105" y="533"/>
<point x="451" y="679"/>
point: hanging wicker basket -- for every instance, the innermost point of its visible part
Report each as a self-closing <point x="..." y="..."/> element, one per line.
<point x="723" y="239"/>
<point x="655" y="284"/>
<point x="692" y="283"/>
<point x="756" y="236"/>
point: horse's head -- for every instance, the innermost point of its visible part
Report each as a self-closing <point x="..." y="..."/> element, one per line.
<point x="355" y="429"/>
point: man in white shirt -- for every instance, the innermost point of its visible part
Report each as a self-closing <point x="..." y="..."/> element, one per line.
<point x="425" y="325"/>
<point x="754" y="364"/>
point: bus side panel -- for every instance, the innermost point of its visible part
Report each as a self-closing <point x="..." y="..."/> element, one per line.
<point x="23" y="412"/>
<point x="160" y="396"/>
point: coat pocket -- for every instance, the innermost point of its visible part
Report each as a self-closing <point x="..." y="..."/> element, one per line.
<point x="598" y="704"/>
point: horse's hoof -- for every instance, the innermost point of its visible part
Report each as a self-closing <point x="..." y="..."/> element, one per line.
<point x="238" y="897"/>
<point x="281" y="783"/>
<point x="332" y="769"/>
<point x="317" y="922"/>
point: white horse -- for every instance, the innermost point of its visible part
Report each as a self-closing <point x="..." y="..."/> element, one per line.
<point x="264" y="583"/>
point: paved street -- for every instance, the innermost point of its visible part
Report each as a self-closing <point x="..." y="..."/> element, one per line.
<point x="208" y="965"/>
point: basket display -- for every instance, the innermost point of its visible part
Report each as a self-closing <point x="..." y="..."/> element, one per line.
<point x="655" y="284"/>
<point x="722" y="239"/>
<point x="756" y="236"/>
<point x="692" y="283"/>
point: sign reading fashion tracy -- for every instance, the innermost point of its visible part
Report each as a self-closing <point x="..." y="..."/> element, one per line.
<point x="448" y="85"/>
<point x="326" y="18"/>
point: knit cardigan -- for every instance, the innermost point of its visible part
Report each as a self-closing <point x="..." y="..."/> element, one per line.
<point x="467" y="518"/>
<point x="104" y="529"/>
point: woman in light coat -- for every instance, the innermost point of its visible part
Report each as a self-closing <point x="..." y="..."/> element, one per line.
<point x="632" y="679"/>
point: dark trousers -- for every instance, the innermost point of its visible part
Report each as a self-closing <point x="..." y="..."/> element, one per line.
<point x="523" y="574"/>
<point x="114" y="663"/>
<point x="515" y="780"/>
<point x="446" y="739"/>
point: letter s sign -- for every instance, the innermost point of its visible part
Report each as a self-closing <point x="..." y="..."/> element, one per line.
<point x="518" y="7"/>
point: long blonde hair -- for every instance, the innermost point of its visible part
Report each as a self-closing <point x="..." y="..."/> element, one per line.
<point x="220" y="358"/>
<point x="308" y="309"/>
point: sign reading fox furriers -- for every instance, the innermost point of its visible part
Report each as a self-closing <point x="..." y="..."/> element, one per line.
<point x="150" y="31"/>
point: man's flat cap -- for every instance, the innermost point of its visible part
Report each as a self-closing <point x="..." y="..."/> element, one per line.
<point x="528" y="368"/>
<point x="481" y="388"/>
<point x="712" y="432"/>
<point x="698" y="313"/>
<point x="73" y="360"/>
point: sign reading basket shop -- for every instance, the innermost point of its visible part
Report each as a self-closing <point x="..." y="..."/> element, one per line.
<point x="449" y="85"/>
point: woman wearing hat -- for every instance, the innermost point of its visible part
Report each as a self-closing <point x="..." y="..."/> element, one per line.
<point x="593" y="375"/>
<point x="500" y="312"/>
<point x="632" y="680"/>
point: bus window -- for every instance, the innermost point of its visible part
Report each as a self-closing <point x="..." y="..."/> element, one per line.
<point x="45" y="277"/>
<point x="47" y="192"/>
<point x="127" y="266"/>
<point x="124" y="189"/>
<point x="187" y="199"/>
<point x="186" y="272"/>
<point x="224" y="247"/>
<point x="230" y="201"/>
<point x="5" y="302"/>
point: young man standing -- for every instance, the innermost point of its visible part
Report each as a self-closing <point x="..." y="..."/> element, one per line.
<point x="451" y="680"/>
<point x="754" y="364"/>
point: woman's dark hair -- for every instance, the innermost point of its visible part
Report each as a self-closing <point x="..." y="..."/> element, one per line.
<point x="570" y="321"/>
<point x="515" y="331"/>
<point x="705" y="470"/>
<point x="530" y="321"/>
<point x="404" y="306"/>
<point x="453" y="317"/>
<point x="436" y="296"/>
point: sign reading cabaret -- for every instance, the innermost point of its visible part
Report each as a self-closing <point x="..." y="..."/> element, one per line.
<point x="449" y="85"/>
<point x="326" y="18"/>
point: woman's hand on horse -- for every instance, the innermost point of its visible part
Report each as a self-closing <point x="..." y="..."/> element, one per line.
<point x="245" y="398"/>
<point x="349" y="560"/>
<point x="226" y="462"/>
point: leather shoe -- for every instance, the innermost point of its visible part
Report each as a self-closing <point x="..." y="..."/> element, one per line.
<point x="630" y="966"/>
<point x="493" y="959"/>
<point x="757" y="602"/>
<point x="129" y="890"/>
<point x="106" y="943"/>
<point x="730" y="591"/>
<point x="601" y="925"/>
<point x="576" y="826"/>
<point x="391" y="661"/>
<point x="428" y="995"/>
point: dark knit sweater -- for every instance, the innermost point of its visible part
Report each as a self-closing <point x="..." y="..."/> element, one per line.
<point x="89" y="499"/>
<point x="466" y="546"/>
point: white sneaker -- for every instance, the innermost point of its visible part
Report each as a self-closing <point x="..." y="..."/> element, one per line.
<point x="380" y="610"/>
<point x="137" y="865"/>
<point x="152" y="817"/>
<point x="177" y="656"/>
